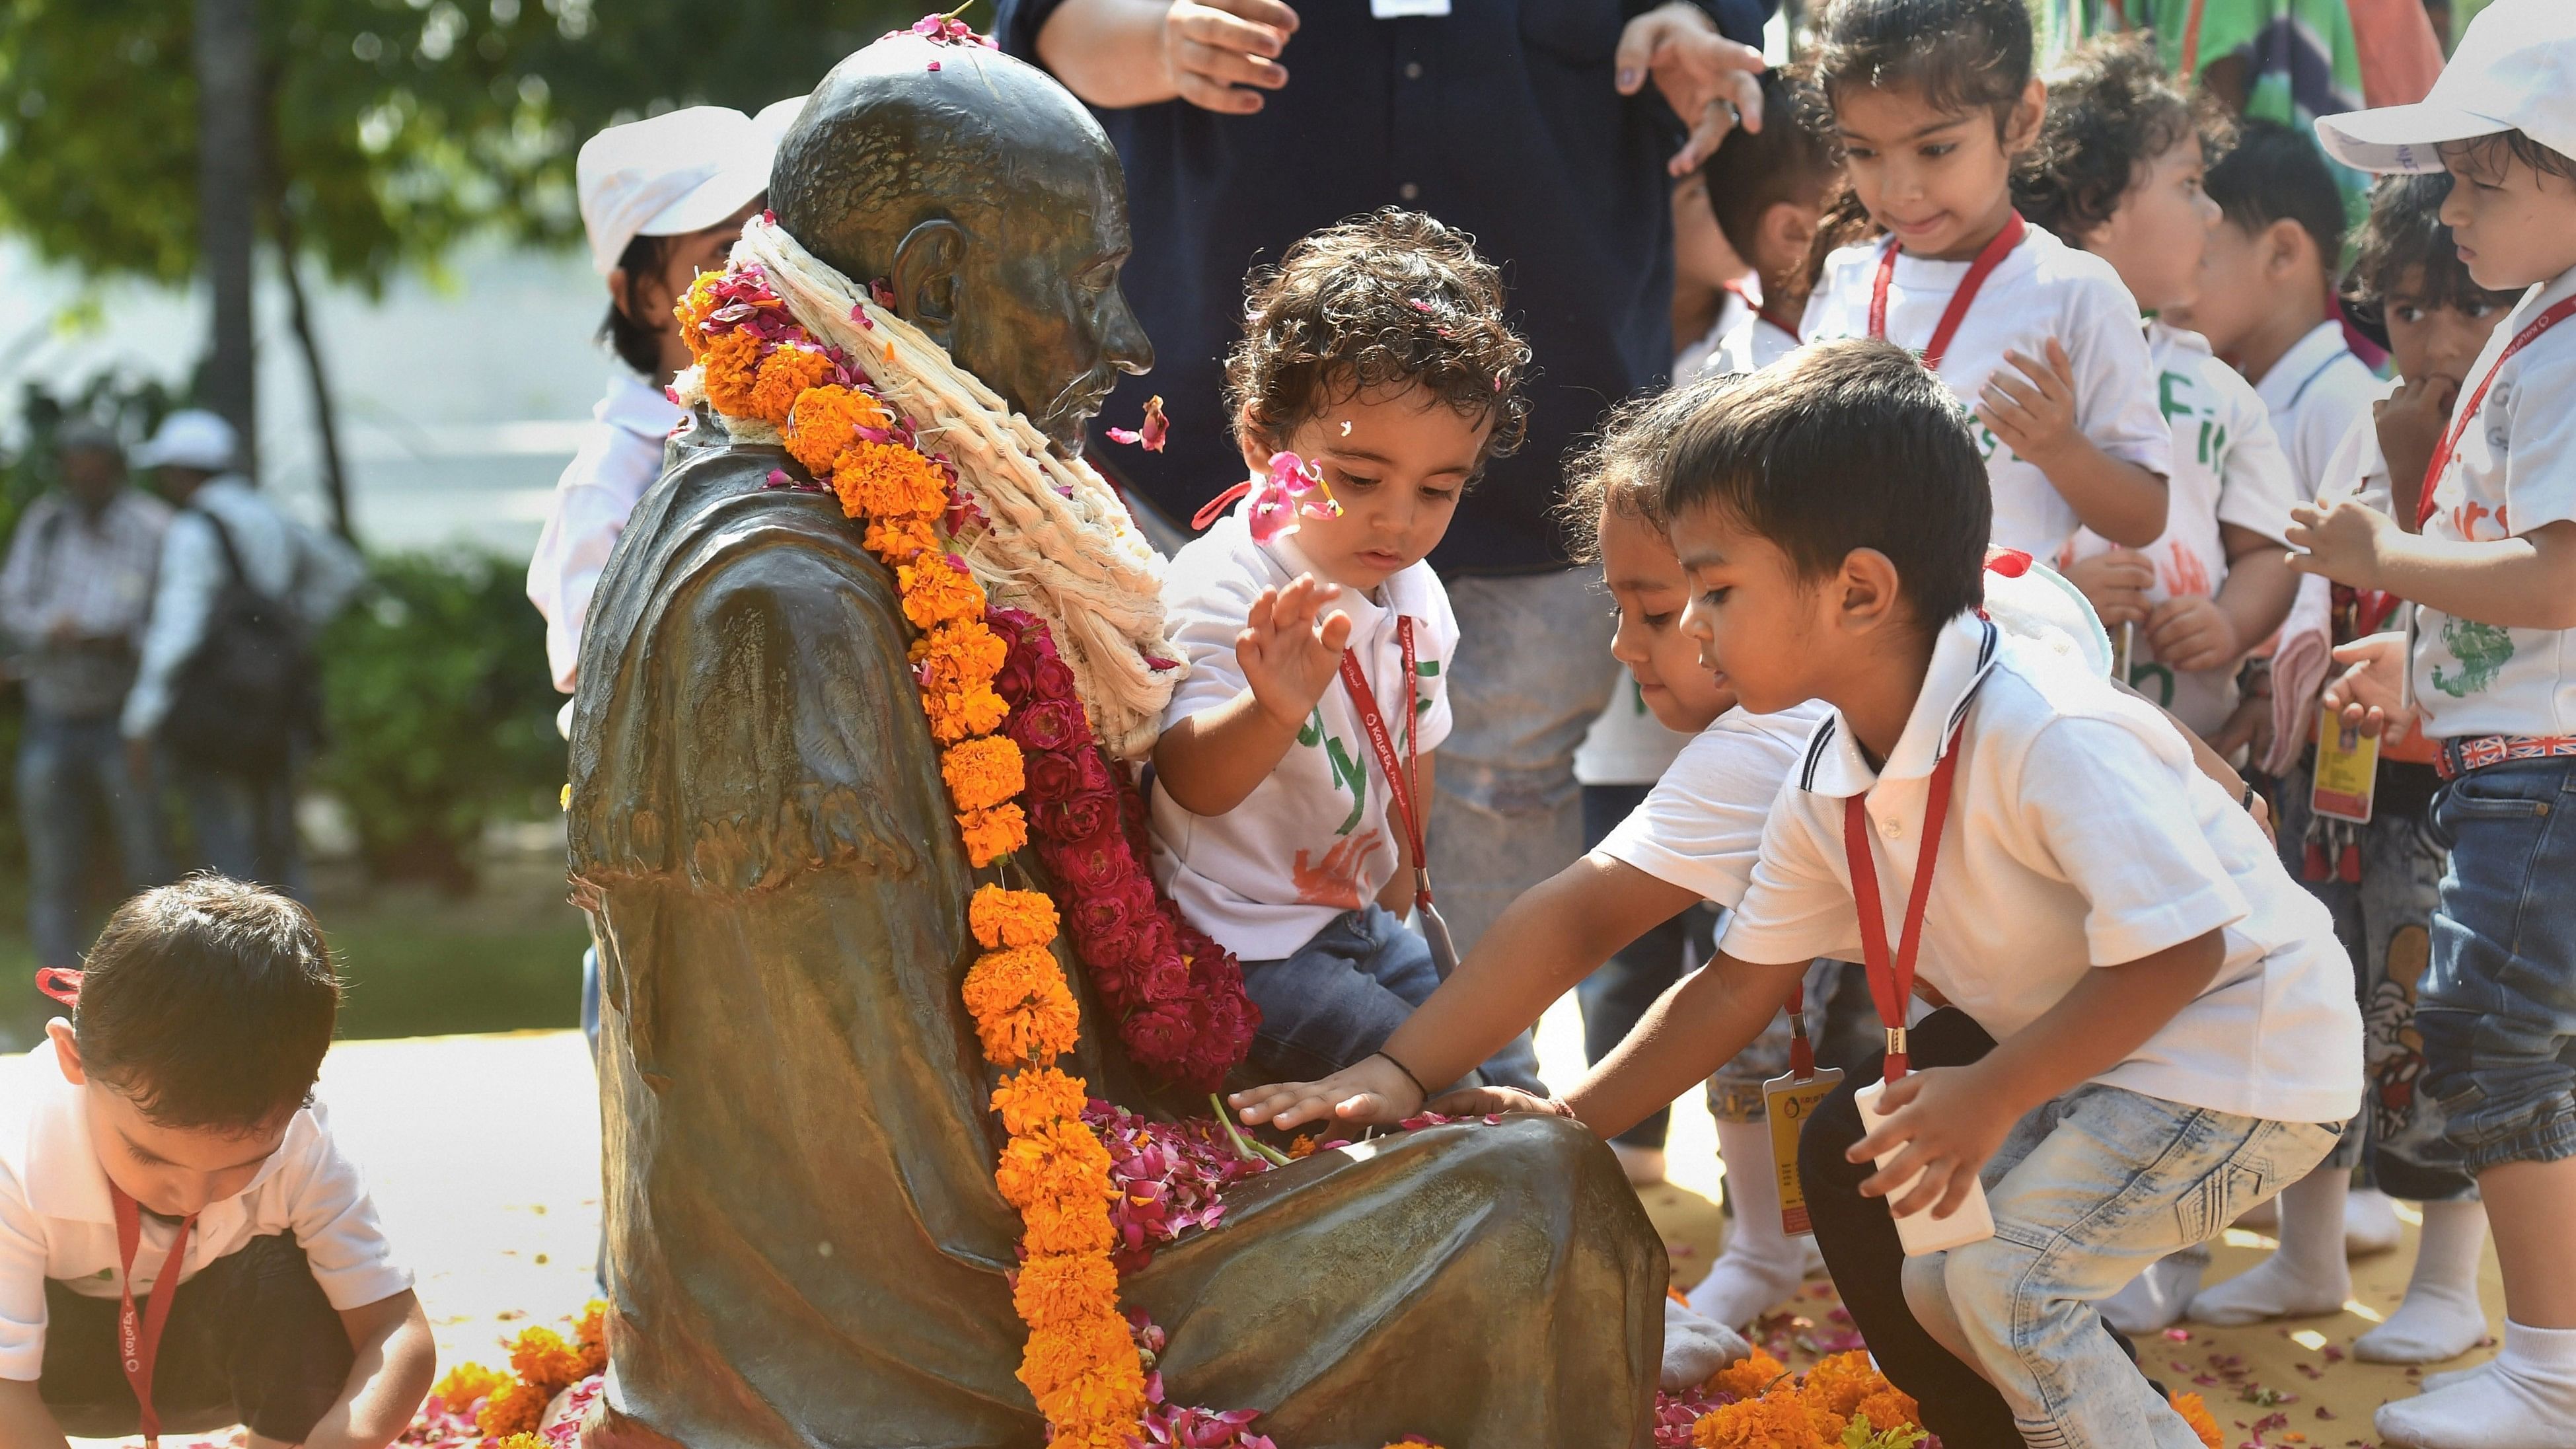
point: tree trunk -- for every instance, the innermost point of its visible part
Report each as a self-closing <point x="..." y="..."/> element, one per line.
<point x="228" y="172"/>
<point x="326" y="417"/>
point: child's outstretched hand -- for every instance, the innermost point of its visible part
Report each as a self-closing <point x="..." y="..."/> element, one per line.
<point x="1371" y="1092"/>
<point x="1947" y="1125"/>
<point x="2192" y="633"/>
<point x="2369" y="695"/>
<point x="2116" y="585"/>
<point x="2034" y="414"/>
<point x="1290" y="655"/>
<point x="2345" y="541"/>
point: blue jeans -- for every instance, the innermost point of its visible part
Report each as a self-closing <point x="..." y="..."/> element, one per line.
<point x="245" y="826"/>
<point x="2498" y="1012"/>
<point x="1532" y="673"/>
<point x="2086" y="1192"/>
<point x="69" y="772"/>
<point x="1345" y="992"/>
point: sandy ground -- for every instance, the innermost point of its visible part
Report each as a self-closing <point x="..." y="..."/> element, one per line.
<point x="481" y="1152"/>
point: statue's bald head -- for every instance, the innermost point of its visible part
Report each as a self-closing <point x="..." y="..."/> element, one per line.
<point x="991" y="200"/>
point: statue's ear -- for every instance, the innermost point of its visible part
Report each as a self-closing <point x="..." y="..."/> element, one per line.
<point x="926" y="264"/>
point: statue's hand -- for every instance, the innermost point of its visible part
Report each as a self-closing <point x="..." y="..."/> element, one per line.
<point x="1372" y="1093"/>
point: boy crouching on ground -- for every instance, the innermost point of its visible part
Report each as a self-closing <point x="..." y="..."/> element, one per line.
<point x="166" y="1180"/>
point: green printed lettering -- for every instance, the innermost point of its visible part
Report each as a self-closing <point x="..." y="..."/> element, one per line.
<point x="2165" y="399"/>
<point x="1347" y="772"/>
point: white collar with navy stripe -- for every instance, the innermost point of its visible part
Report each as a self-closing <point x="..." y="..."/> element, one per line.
<point x="1962" y="655"/>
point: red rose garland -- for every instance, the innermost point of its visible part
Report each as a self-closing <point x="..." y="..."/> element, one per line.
<point x="1176" y="995"/>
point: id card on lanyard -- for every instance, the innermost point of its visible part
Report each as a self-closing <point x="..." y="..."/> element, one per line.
<point x="138" y="1334"/>
<point x="1403" y="783"/>
<point x="1790" y="1100"/>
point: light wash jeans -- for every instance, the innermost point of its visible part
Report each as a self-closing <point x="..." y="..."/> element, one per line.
<point x="2086" y="1192"/>
<point x="1532" y="673"/>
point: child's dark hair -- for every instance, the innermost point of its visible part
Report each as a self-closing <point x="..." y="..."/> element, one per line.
<point x="1390" y="299"/>
<point x="1850" y="445"/>
<point x="2404" y="233"/>
<point x="1955" y="54"/>
<point x="636" y="342"/>
<point x="209" y="1003"/>
<point x="2111" y="112"/>
<point x="2489" y="155"/>
<point x="1620" y="468"/>
<point x="2277" y="174"/>
<point x="1790" y="159"/>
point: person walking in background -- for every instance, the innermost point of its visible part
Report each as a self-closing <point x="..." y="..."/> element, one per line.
<point x="73" y="598"/>
<point x="1246" y="124"/>
<point x="225" y="684"/>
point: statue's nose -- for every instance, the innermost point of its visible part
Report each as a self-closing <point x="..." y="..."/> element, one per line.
<point x="1122" y="337"/>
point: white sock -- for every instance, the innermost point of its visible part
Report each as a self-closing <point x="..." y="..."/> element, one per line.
<point x="1762" y="1264"/>
<point x="1695" y="1348"/>
<point x="2448" y="1377"/>
<point x="2306" y="1275"/>
<point x="2525" y="1400"/>
<point x="2441" y="1317"/>
<point x="2156" y="1298"/>
<point x="2369" y="1223"/>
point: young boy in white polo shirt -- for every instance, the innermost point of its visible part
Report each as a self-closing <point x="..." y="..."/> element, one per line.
<point x="2491" y="568"/>
<point x="166" y="1180"/>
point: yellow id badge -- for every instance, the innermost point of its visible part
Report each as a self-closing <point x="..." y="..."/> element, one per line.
<point x="2347" y="772"/>
<point x="1789" y="1099"/>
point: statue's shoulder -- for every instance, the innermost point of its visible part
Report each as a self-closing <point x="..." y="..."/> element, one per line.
<point x="745" y="707"/>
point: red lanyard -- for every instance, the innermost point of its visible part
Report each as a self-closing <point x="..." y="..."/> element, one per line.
<point x="1891" y="982"/>
<point x="1989" y="257"/>
<point x="1400" y="777"/>
<point x="1763" y="311"/>
<point x="138" y="1335"/>
<point x="2557" y="313"/>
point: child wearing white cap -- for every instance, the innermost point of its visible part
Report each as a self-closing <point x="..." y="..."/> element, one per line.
<point x="2489" y="557"/>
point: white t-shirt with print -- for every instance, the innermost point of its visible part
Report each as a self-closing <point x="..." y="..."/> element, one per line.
<point x="2042" y="289"/>
<point x="2228" y="467"/>
<point x="1313" y="839"/>
<point x="2080" y="835"/>
<point x="1700" y="828"/>
<point x="1626" y="745"/>
<point x="2315" y="392"/>
<point x="2513" y="471"/>
<point x="2357" y="469"/>
<point x="57" y="1220"/>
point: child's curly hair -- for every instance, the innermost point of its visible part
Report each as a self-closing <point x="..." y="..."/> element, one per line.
<point x="1390" y="299"/>
<point x="2111" y="111"/>
<point x="2405" y="231"/>
<point x="1620" y="468"/>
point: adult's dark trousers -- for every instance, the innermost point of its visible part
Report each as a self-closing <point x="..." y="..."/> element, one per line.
<point x="251" y="1340"/>
<point x="1867" y="1259"/>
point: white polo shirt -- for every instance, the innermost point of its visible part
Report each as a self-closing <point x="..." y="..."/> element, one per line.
<point x="2315" y="392"/>
<point x="57" y="1222"/>
<point x="2228" y="467"/>
<point x="2513" y="471"/>
<point x="620" y="456"/>
<point x="2080" y="835"/>
<point x="2042" y="289"/>
<point x="1313" y="839"/>
<point x="1700" y="828"/>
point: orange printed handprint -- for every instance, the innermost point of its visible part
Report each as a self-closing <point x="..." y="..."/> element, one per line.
<point x="1335" y="880"/>
<point x="2185" y="574"/>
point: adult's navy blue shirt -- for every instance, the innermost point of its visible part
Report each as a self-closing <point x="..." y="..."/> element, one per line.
<point x="1500" y="118"/>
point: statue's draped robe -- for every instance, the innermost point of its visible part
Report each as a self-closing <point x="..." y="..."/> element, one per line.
<point x="805" y="1242"/>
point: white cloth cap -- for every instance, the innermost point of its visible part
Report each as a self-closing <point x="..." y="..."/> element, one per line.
<point x="190" y="438"/>
<point x="2514" y="71"/>
<point x="669" y="175"/>
<point x="2040" y="605"/>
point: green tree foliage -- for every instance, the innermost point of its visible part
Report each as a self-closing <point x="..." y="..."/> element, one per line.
<point x="396" y="126"/>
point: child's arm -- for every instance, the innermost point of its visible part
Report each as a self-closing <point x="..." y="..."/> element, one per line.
<point x="1950" y="1120"/>
<point x="1210" y="761"/>
<point x="1556" y="934"/>
<point x="25" y="1422"/>
<point x="396" y="1362"/>
<point x="2527" y="581"/>
<point x="2196" y="631"/>
<point x="2035" y="416"/>
<point x="1397" y="894"/>
<point x="1693" y="1029"/>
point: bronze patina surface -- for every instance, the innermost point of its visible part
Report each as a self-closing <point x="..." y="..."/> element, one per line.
<point x="805" y="1243"/>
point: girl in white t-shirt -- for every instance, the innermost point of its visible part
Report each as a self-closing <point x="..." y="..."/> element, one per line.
<point x="1288" y="794"/>
<point x="2037" y="340"/>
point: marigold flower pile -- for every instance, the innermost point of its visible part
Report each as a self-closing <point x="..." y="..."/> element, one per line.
<point x="543" y="1364"/>
<point x="1770" y="1408"/>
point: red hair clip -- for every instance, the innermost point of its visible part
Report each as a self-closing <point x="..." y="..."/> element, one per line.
<point x="62" y="985"/>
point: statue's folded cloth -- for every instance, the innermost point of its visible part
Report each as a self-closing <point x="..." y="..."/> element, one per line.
<point x="806" y="1244"/>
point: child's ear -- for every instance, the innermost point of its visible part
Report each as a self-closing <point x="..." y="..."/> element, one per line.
<point x="2286" y="246"/>
<point x="66" y="1050"/>
<point x="1783" y="236"/>
<point x="1868" y="586"/>
<point x="2021" y="129"/>
<point x="1257" y="448"/>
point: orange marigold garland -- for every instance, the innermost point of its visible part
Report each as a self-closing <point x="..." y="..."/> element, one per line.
<point x="542" y="1364"/>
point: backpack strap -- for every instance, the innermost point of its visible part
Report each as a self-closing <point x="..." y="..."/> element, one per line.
<point x="224" y="541"/>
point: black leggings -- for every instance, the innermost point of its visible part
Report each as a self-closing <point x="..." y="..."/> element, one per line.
<point x="1867" y="1259"/>
<point x="251" y="1340"/>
